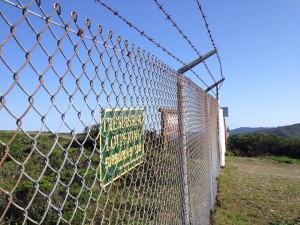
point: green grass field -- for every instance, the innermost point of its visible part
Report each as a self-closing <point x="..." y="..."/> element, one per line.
<point x="258" y="191"/>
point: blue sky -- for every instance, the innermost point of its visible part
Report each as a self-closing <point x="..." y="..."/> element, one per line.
<point x="259" y="44"/>
<point x="258" y="41"/>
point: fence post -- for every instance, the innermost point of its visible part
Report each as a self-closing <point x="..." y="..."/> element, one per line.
<point x="182" y="153"/>
<point x="221" y="131"/>
<point x="164" y="138"/>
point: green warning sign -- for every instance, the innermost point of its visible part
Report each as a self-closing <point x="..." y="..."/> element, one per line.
<point x="121" y="142"/>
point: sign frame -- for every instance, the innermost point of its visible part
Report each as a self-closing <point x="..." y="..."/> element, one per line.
<point x="121" y="142"/>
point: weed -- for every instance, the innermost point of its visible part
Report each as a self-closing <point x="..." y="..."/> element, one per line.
<point x="284" y="159"/>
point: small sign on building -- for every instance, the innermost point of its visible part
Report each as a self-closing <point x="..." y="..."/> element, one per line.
<point x="121" y="142"/>
<point x="225" y="111"/>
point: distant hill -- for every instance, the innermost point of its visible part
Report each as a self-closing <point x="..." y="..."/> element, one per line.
<point x="285" y="131"/>
<point x="245" y="130"/>
<point x="290" y="131"/>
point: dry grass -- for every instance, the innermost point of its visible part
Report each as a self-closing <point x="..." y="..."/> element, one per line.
<point x="258" y="191"/>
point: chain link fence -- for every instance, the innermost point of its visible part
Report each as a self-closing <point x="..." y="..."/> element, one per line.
<point x="97" y="131"/>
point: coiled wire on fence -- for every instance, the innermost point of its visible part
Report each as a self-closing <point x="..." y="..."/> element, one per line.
<point x="89" y="128"/>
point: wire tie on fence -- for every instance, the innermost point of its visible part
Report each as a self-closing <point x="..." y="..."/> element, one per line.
<point x="66" y="27"/>
<point x="48" y="20"/>
<point x="95" y="40"/>
<point x="105" y="44"/>
<point x="24" y="10"/>
<point x="80" y="32"/>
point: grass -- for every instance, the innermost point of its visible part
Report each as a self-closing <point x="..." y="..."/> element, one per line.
<point x="258" y="191"/>
<point x="283" y="159"/>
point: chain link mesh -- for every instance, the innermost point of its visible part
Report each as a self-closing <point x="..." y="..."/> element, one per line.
<point x="57" y="79"/>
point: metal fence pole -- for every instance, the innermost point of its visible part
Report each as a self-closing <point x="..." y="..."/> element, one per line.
<point x="182" y="140"/>
<point x="194" y="63"/>
<point x="182" y="154"/>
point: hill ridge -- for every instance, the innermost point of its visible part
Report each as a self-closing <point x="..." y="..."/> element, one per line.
<point x="288" y="131"/>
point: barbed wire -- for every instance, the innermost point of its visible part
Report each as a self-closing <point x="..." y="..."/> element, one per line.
<point x="131" y="25"/>
<point x="152" y="40"/>
<point x="210" y="35"/>
<point x="169" y="18"/>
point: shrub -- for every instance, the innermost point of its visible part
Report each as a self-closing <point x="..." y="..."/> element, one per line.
<point x="255" y="144"/>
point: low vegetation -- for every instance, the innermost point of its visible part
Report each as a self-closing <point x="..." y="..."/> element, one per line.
<point x="255" y="144"/>
<point x="43" y="157"/>
<point x="63" y="169"/>
<point x="258" y="191"/>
